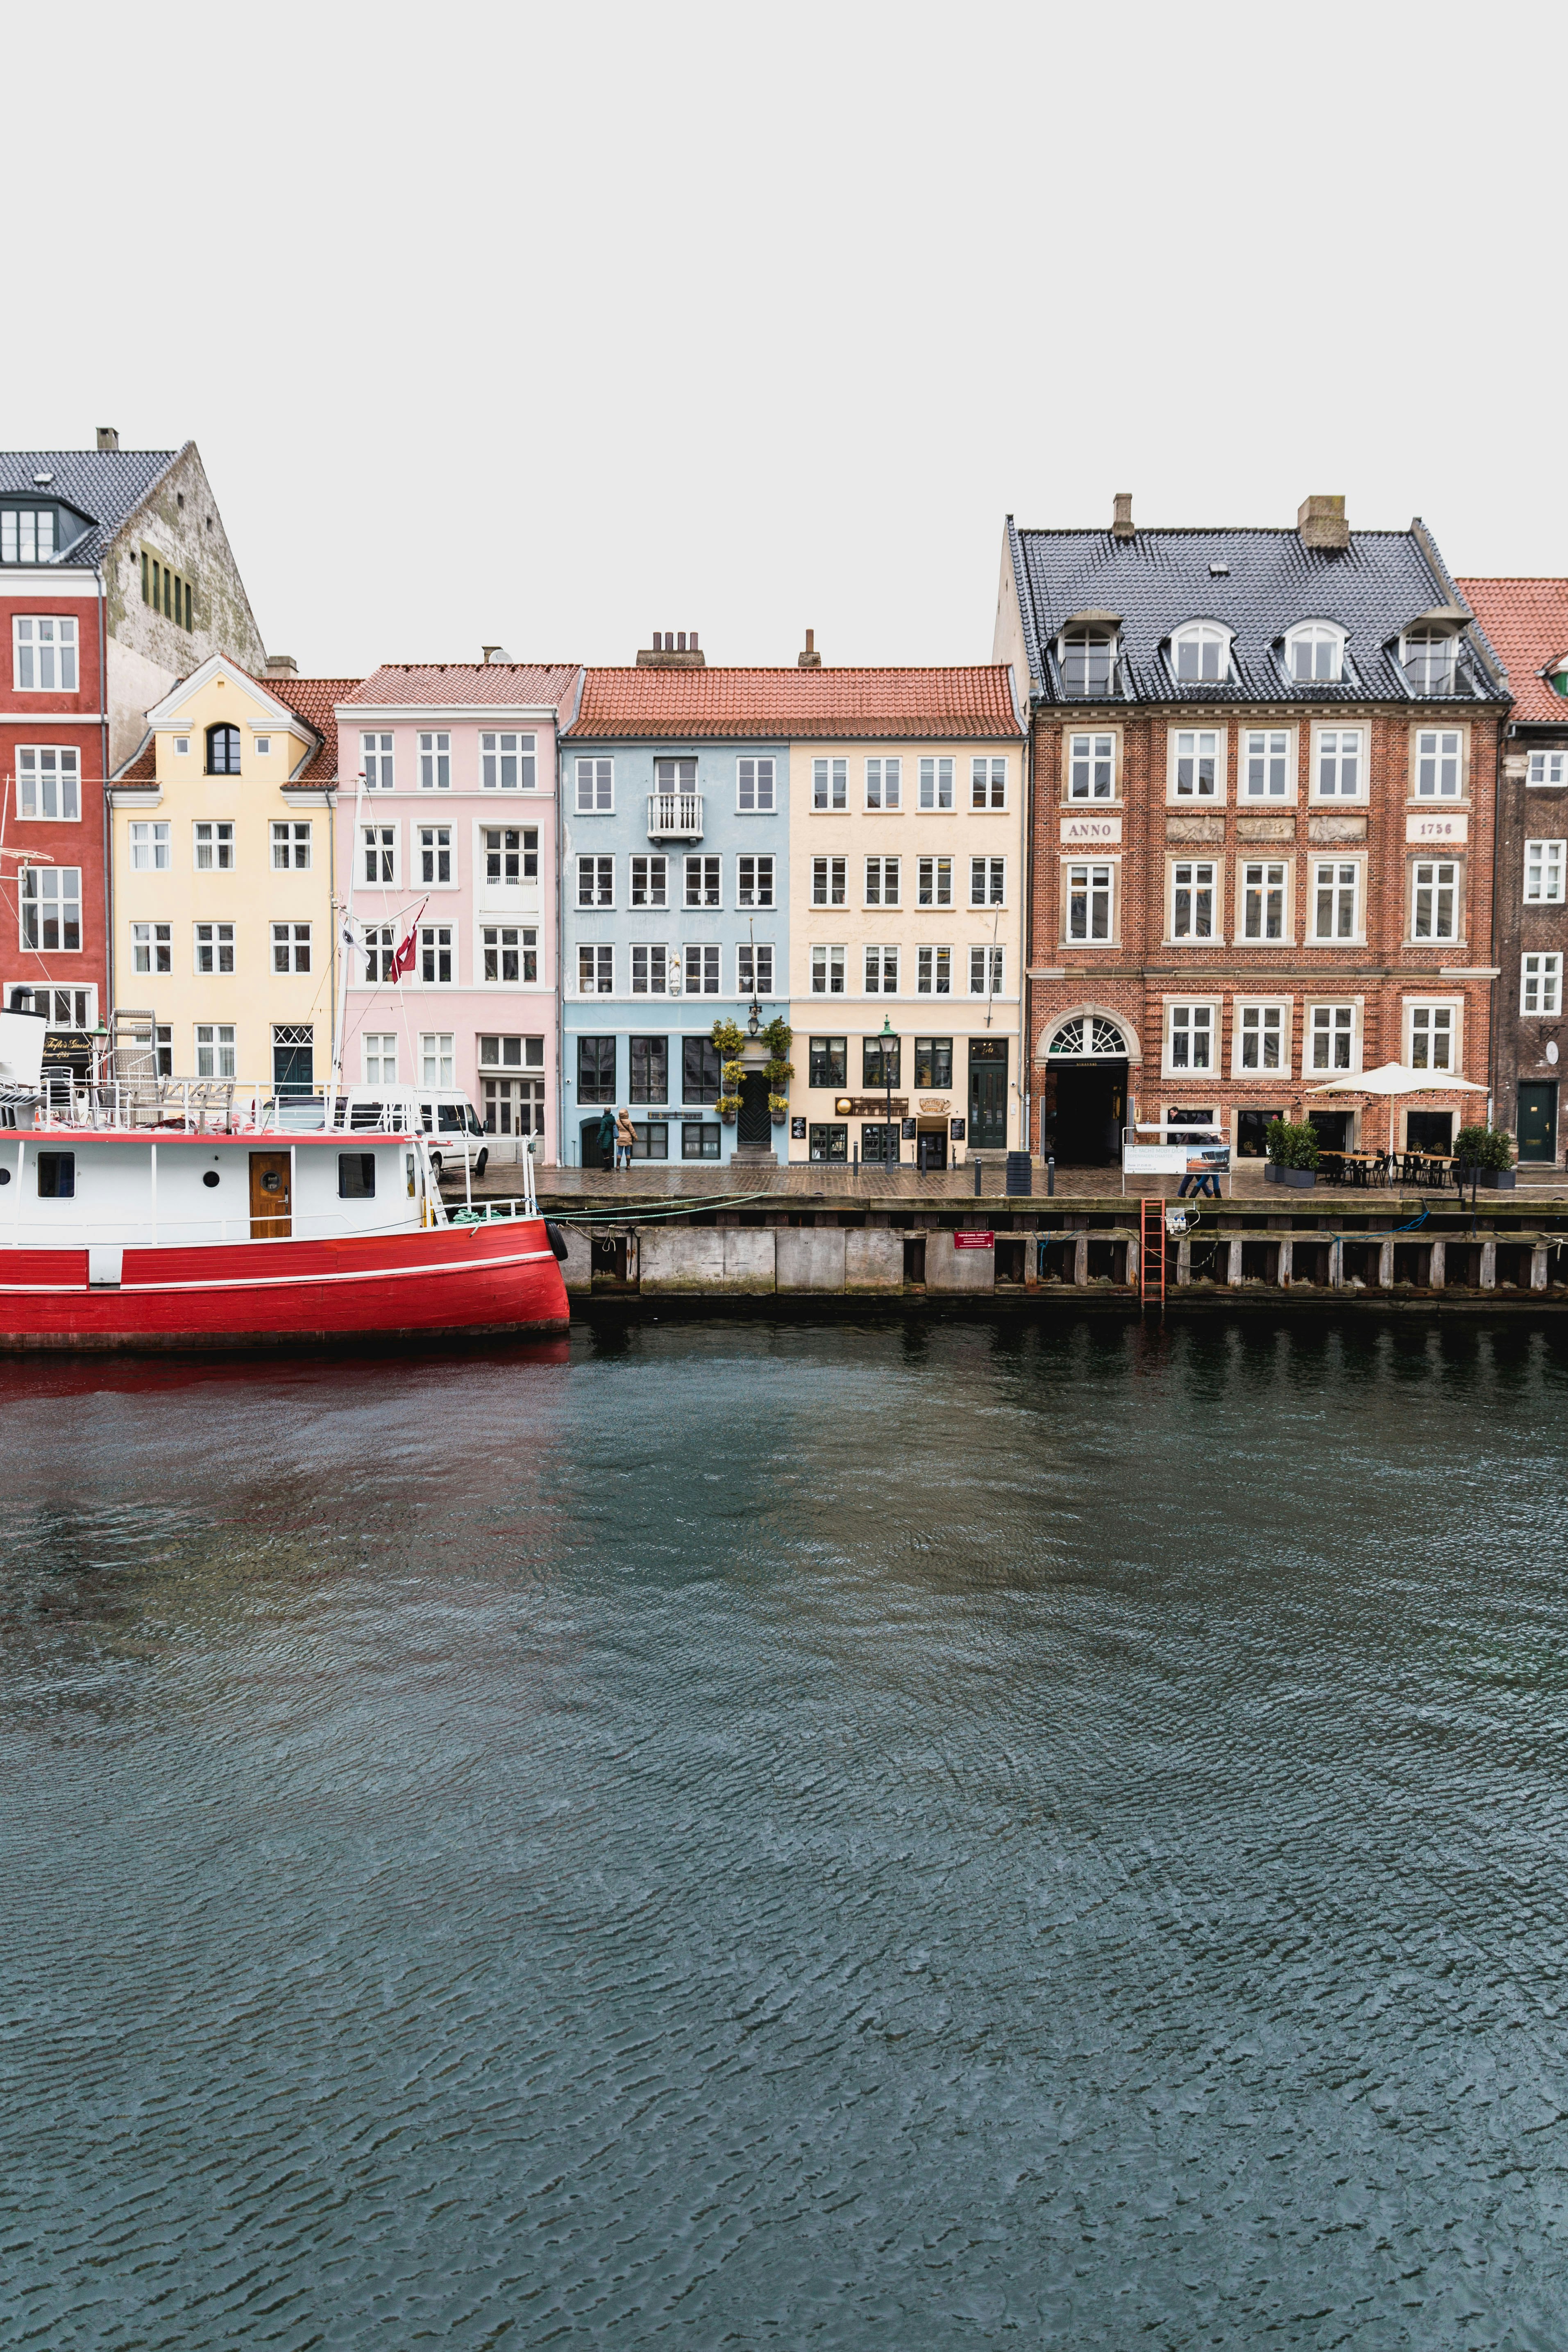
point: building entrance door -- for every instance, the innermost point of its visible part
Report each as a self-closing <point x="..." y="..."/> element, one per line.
<point x="293" y="1059"/>
<point x="930" y="1146"/>
<point x="754" y="1121"/>
<point x="1090" y="1106"/>
<point x="1538" y="1121"/>
<point x="988" y="1094"/>
<point x="270" y="1206"/>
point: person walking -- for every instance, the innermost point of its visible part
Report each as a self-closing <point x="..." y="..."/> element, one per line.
<point x="607" y="1138"/>
<point x="625" y="1136"/>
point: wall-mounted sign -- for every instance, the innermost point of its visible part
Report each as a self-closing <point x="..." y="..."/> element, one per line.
<point x="933" y="1102"/>
<point x="955" y="1131"/>
<point x="974" y="1241"/>
<point x="907" y="1129"/>
<point x="1081" y="830"/>
<point x="797" y="1130"/>
<point x="1439" y="826"/>
<point x="869" y="1106"/>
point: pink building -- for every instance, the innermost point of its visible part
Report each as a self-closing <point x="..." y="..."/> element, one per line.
<point x="446" y="823"/>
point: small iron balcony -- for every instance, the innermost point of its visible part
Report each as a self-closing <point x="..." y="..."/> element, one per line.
<point x="675" y="816"/>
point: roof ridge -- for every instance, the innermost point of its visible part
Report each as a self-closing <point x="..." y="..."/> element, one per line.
<point x="1191" y="531"/>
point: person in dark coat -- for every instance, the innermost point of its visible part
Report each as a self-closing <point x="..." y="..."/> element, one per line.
<point x="607" y="1139"/>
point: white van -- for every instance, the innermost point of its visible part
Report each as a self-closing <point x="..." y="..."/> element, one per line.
<point x="456" y="1131"/>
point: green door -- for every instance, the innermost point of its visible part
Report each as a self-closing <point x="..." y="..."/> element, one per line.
<point x="987" y="1094"/>
<point x="1538" y="1122"/>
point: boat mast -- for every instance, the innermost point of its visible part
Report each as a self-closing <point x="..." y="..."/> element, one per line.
<point x="346" y="944"/>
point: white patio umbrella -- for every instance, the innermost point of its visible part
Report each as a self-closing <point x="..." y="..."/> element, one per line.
<point x="1392" y="1078"/>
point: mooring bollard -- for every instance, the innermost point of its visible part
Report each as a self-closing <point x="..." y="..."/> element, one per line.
<point x="977" y="1175"/>
<point x="1050" y="1176"/>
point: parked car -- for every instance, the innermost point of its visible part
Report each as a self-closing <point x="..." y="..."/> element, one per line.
<point x="456" y="1132"/>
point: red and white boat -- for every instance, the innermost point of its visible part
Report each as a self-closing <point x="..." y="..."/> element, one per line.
<point x="194" y="1216"/>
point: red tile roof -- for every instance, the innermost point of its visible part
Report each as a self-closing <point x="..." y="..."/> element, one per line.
<point x="313" y="699"/>
<point x="460" y="686"/>
<point x="798" y="705"/>
<point x="1527" y="622"/>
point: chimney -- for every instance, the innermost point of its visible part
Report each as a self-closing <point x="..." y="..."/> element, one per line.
<point x="282" y="666"/>
<point x="811" y="659"/>
<point x="1321" y="524"/>
<point x="672" y="649"/>
<point x="108" y="437"/>
<point x="494" y="653"/>
<point x="1122" y="515"/>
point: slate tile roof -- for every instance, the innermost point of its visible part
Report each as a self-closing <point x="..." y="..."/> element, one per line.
<point x="461" y="685"/>
<point x="1527" y="621"/>
<point x="796" y="704"/>
<point x="1160" y="579"/>
<point x="105" y="485"/>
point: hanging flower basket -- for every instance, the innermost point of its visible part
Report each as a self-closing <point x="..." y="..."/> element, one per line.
<point x="727" y="1107"/>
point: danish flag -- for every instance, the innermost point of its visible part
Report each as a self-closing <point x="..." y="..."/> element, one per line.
<point x="403" y="959"/>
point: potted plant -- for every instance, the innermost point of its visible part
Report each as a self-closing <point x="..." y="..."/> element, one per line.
<point x="730" y="1038"/>
<point x="1292" y="1152"/>
<point x="779" y="1106"/>
<point x="1485" y="1155"/>
<point x="727" y="1107"/>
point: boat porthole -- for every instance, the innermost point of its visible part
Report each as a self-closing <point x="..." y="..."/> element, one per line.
<point x="210" y="1178"/>
<point x="5" y="1175"/>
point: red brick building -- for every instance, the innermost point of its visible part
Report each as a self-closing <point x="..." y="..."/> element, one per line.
<point x="1527" y="622"/>
<point x="115" y="579"/>
<point x="1264" y="770"/>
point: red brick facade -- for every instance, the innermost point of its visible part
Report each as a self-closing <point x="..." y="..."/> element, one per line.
<point x="1192" y="1010"/>
<point x="52" y="921"/>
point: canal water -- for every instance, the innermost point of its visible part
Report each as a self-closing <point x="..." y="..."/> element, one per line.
<point x="739" y="1836"/>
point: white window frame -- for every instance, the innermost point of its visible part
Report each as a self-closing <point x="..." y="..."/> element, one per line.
<point x="648" y="860"/>
<point x="1439" y="788"/>
<point x="830" y="786"/>
<point x="654" y="968"/>
<point x="709" y="869"/>
<point x="1194" y="868"/>
<point x="1260" y="1018"/>
<point x="1203" y="638"/>
<point x="377" y="762"/>
<point x="285" y="938"/>
<point x="291" y="834"/>
<point x="1435" y="887"/>
<point x="938" y="869"/>
<point x="987" y="971"/>
<point x="763" y="889"/>
<point x="881" y="971"/>
<point x="595" y="968"/>
<point x="498" y="939"/>
<point x="1543" y="865"/>
<point x="832" y="874"/>
<point x="1087" y="752"/>
<point x="1336" y="759"/>
<point x="1417" y="648"/>
<point x="435" y="850"/>
<point x="41" y="766"/>
<point x="149" y="837"/>
<point x="262" y="746"/>
<point x="435" y="758"/>
<point x="499" y="746"/>
<point x="753" y="784"/>
<point x="991" y="874"/>
<point x="1316" y="1029"/>
<point x="1183" y="1021"/>
<point x="435" y="941"/>
<point x="40" y="887"/>
<point x="1285" y="886"/>
<point x="1540" y="975"/>
<point x="1546" y="771"/>
<point x="595" y="786"/>
<point x="938" y="790"/>
<point x="378" y="1056"/>
<point x="754" y="979"/>
<point x="219" y="937"/>
<point x="933" y="971"/>
<point x="1419" y="1020"/>
<point x="372" y="846"/>
<point x="885" y="785"/>
<point x="1266" y="767"/>
<point x="1097" y="884"/>
<point x="598" y="872"/>
<point x="41" y="641"/>
<point x="216" y="1051"/>
<point x="886" y="870"/>
<point x="437" y="1057"/>
<point x="1318" y="634"/>
<point x="1356" y="937"/>
<point x="219" y="832"/>
<point x="1087" y="659"/>
<point x="155" y="941"/>
<point x="827" y="965"/>
<point x="703" y="972"/>
<point x="988" y="777"/>
<point x="1192" y="793"/>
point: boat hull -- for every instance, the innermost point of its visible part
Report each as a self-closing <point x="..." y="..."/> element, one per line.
<point x="448" y="1284"/>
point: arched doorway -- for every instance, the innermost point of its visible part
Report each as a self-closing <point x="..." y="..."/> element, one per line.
<point x="1086" y="1090"/>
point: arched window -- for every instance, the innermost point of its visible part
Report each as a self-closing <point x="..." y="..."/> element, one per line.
<point x="1315" y="652"/>
<point x="1201" y="652"/>
<point x="1087" y="657"/>
<point x="1086" y="1034"/>
<point x="223" y="751"/>
<point x="1429" y="656"/>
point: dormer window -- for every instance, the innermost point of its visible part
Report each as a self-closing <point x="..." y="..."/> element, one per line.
<point x="27" y="534"/>
<point x="1315" y="653"/>
<point x="1557" y="677"/>
<point x="1087" y="657"/>
<point x="223" y="751"/>
<point x="1428" y="657"/>
<point x="1201" y="652"/>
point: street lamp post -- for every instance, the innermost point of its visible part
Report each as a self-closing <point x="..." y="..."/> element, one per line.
<point x="889" y="1149"/>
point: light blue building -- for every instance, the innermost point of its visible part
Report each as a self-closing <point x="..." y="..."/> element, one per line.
<point x="674" y="914"/>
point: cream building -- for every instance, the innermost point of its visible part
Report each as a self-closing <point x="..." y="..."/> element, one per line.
<point x="222" y="877"/>
<point x="906" y="896"/>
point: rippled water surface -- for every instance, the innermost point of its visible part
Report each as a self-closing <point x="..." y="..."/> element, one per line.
<point x="747" y="1836"/>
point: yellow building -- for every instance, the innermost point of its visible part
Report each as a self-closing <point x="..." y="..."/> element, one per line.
<point x="907" y="903"/>
<point x="222" y="880"/>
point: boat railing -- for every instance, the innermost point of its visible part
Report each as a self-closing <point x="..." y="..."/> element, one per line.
<point x="202" y="1105"/>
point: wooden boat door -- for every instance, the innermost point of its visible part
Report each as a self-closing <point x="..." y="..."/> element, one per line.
<point x="270" y="1207"/>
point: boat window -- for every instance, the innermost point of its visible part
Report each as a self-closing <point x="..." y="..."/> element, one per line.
<point x="210" y="1178"/>
<point x="56" y="1175"/>
<point x="356" y="1175"/>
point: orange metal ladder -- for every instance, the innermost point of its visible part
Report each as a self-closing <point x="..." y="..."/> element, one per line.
<point x="1151" y="1250"/>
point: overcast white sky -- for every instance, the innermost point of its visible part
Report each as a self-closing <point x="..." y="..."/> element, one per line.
<point x="554" y="325"/>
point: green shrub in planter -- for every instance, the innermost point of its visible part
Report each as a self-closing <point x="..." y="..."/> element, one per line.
<point x="1483" y="1147"/>
<point x="1291" y="1146"/>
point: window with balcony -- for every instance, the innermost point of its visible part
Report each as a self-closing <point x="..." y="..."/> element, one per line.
<point x="1435" y="897"/>
<point x="1314" y="653"/>
<point x="1543" y="863"/>
<point x="1263" y="898"/>
<point x="1201" y="652"/>
<point x="934" y="882"/>
<point x="1088" y="903"/>
<point x="884" y="783"/>
<point x="43" y="654"/>
<point x="1091" y="767"/>
<point x="48" y="781"/>
<point x="507" y="763"/>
